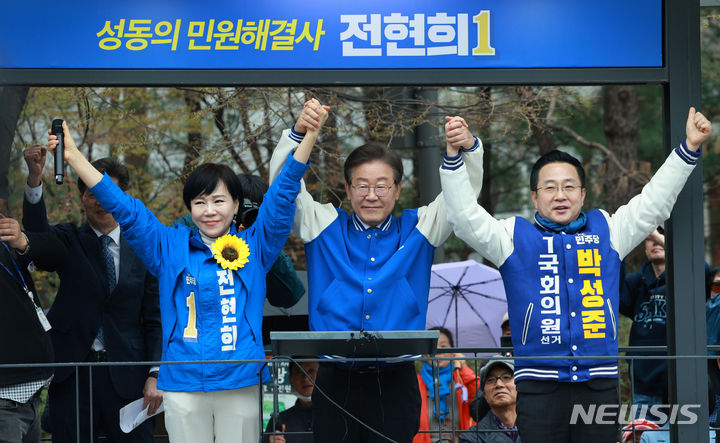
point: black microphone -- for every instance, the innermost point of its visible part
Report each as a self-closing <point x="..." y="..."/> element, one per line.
<point x="57" y="130"/>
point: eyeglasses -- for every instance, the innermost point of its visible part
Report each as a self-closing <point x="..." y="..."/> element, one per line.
<point x="506" y="378"/>
<point x="380" y="190"/>
<point x="552" y="189"/>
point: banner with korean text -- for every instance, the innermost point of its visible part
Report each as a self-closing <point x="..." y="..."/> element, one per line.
<point x="282" y="34"/>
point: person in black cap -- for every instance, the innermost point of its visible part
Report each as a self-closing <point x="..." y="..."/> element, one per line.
<point x="497" y="383"/>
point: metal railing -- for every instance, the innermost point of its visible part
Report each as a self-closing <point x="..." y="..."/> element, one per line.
<point x="478" y="356"/>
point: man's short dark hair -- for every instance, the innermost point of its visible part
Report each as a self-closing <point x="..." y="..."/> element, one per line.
<point x="113" y="168"/>
<point x="555" y="156"/>
<point x="370" y="152"/>
<point x="253" y="187"/>
<point x="204" y="179"/>
<point x="445" y="331"/>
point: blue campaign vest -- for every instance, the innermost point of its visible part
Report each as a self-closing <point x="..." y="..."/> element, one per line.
<point x="562" y="292"/>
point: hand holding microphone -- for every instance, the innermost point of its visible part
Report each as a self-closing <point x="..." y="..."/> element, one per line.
<point x="72" y="155"/>
<point x="57" y="131"/>
<point x="62" y="145"/>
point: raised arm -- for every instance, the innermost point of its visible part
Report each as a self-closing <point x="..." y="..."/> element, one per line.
<point x="632" y="222"/>
<point x="72" y="155"/>
<point x="312" y="118"/>
<point x="311" y="217"/>
<point x="147" y="236"/>
<point x="34" y="211"/>
<point x="35" y="156"/>
<point x="697" y="129"/>
<point x="457" y="135"/>
<point x="275" y="215"/>
<point x="490" y="237"/>
<point x="432" y="219"/>
<point x="459" y="140"/>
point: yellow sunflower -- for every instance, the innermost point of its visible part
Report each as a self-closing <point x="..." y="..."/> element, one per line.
<point x="230" y="252"/>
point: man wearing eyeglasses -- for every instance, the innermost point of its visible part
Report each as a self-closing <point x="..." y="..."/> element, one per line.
<point x="497" y="383"/>
<point x="562" y="278"/>
<point x="369" y="270"/>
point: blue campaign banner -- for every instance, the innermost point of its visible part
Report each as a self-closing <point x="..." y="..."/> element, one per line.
<point x="372" y="34"/>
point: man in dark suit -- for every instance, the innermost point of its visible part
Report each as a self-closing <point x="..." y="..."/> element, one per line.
<point x="106" y="309"/>
<point x="23" y="328"/>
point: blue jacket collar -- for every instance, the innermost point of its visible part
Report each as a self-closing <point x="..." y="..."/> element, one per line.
<point x="362" y="226"/>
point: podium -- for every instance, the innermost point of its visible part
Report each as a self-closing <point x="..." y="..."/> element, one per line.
<point x="356" y="344"/>
<point x="383" y="345"/>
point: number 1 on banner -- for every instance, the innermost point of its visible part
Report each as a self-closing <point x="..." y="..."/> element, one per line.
<point x="483" y="37"/>
<point x="190" y="333"/>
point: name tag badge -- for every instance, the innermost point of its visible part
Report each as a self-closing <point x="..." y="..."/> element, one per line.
<point x="43" y="320"/>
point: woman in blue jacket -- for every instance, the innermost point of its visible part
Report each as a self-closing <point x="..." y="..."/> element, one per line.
<point x="212" y="286"/>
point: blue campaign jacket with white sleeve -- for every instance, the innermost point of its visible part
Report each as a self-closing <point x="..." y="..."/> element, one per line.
<point x="562" y="289"/>
<point x="368" y="278"/>
<point x="208" y="313"/>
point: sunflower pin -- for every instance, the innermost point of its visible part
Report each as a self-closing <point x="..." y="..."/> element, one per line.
<point x="231" y="252"/>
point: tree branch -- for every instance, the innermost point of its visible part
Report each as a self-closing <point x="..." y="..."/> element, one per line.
<point x="634" y="175"/>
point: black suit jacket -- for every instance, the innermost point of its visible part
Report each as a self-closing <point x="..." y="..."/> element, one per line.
<point x="130" y="315"/>
<point x="23" y="338"/>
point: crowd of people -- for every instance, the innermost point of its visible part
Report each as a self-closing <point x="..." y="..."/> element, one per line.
<point x="135" y="290"/>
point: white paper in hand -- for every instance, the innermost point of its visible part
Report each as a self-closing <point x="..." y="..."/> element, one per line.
<point x="132" y="415"/>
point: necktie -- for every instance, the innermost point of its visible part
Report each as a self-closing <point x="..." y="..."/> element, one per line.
<point x="108" y="261"/>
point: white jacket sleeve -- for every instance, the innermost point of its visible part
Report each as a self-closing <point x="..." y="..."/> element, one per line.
<point x="491" y="238"/>
<point x="633" y="222"/>
<point x="311" y="217"/>
<point x="433" y="219"/>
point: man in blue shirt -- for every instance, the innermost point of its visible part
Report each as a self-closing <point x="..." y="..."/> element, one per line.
<point x="369" y="270"/>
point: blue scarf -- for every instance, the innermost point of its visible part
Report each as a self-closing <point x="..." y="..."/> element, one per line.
<point x="570" y="228"/>
<point x="445" y="378"/>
